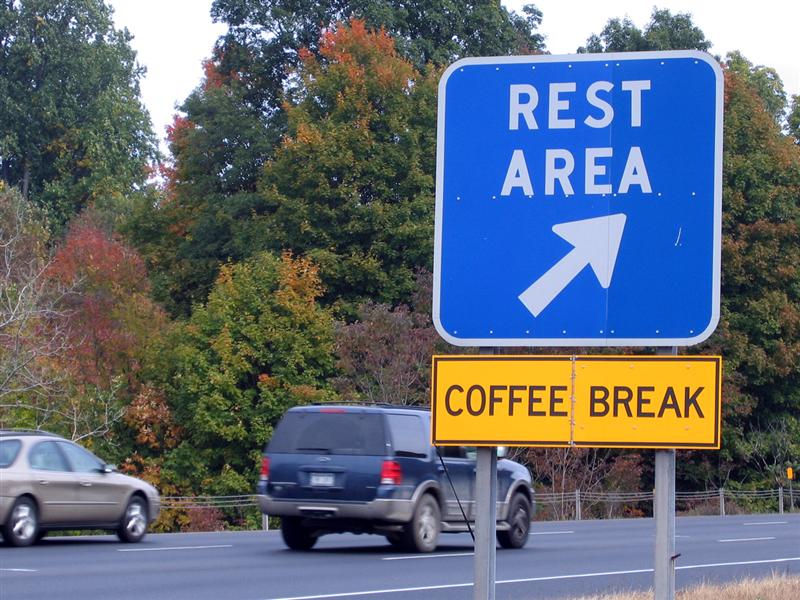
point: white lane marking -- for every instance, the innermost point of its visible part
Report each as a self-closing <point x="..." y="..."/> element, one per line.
<point x="376" y="592"/>
<point x="174" y="548"/>
<point x="741" y="563"/>
<point x="20" y="570"/>
<point x="767" y="523"/>
<point x="758" y="539"/>
<point x="529" y="580"/>
<point x="416" y="556"/>
<point x="549" y="532"/>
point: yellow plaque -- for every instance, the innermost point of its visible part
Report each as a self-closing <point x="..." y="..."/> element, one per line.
<point x="587" y="401"/>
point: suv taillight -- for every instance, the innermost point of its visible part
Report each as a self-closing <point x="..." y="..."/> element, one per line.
<point x="265" y="468"/>
<point x="391" y="473"/>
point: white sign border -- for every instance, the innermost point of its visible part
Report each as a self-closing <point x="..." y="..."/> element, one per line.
<point x="717" y="233"/>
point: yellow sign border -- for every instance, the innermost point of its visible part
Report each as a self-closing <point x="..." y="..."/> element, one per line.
<point x="487" y="358"/>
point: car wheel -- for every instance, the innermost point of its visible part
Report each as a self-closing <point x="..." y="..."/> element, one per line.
<point x="296" y="535"/>
<point x="422" y="533"/>
<point x="133" y="526"/>
<point x="519" y="523"/>
<point x="22" y="526"/>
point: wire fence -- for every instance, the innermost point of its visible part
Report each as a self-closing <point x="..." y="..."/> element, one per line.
<point x="580" y="504"/>
<point x="208" y="513"/>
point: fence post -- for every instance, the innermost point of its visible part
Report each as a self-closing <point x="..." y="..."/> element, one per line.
<point x="721" y="502"/>
<point x="780" y="500"/>
<point x="577" y="505"/>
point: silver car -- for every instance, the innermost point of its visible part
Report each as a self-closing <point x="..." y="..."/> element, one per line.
<point x="49" y="483"/>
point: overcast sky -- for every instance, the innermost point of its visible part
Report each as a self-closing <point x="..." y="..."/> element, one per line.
<point x="172" y="37"/>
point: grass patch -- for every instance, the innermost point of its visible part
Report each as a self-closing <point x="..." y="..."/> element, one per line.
<point x="776" y="587"/>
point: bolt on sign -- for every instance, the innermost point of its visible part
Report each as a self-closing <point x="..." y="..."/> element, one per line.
<point x="585" y="401"/>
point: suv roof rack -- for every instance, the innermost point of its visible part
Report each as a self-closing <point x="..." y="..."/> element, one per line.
<point x="369" y="403"/>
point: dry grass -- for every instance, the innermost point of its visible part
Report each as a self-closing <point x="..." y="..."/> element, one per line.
<point x="777" y="587"/>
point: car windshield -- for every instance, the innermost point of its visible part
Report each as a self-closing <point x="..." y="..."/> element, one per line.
<point x="330" y="433"/>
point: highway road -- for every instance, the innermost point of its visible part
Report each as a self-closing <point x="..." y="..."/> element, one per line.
<point x="562" y="560"/>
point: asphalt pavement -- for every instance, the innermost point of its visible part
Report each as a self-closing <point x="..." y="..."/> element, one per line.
<point x="562" y="560"/>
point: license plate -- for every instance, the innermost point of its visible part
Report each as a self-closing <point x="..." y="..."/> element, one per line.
<point x="322" y="479"/>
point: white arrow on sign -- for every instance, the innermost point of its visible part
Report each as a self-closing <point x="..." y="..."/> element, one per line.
<point x="596" y="243"/>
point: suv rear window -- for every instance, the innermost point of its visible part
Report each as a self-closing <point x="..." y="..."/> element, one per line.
<point x="8" y="452"/>
<point x="330" y="433"/>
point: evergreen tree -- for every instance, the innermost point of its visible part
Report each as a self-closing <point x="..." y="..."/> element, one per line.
<point x="72" y="127"/>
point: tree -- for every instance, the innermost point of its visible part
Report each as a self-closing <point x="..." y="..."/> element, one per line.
<point x="665" y="31"/>
<point x="32" y="328"/>
<point x="766" y="82"/>
<point x="73" y="128"/>
<point x="365" y="119"/>
<point x="385" y="356"/>
<point x="260" y="345"/>
<point x="271" y="33"/>
<point x="111" y="323"/>
<point x="759" y="331"/>
<point x="233" y="122"/>
<point x="794" y="119"/>
<point x="561" y="471"/>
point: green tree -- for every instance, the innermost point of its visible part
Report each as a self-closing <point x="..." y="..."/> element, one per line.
<point x="352" y="183"/>
<point x="266" y="36"/>
<point x="765" y="80"/>
<point x="260" y="345"/>
<point x="794" y="119"/>
<point x="759" y="331"/>
<point x="234" y="120"/>
<point x="72" y="127"/>
<point x="665" y="31"/>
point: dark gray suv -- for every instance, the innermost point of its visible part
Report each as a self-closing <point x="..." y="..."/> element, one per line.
<point x="370" y="469"/>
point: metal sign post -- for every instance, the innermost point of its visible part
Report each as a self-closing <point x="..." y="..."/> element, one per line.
<point x="485" y="523"/>
<point x="485" y="518"/>
<point x="664" y="514"/>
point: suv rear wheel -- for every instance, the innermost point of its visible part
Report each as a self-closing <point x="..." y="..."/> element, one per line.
<point x="296" y="535"/>
<point x="421" y="534"/>
<point x="519" y="521"/>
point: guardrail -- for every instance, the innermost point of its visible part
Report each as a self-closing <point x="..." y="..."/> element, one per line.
<point x="573" y="504"/>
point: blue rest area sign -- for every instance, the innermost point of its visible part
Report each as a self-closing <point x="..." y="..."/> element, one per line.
<point x="579" y="200"/>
